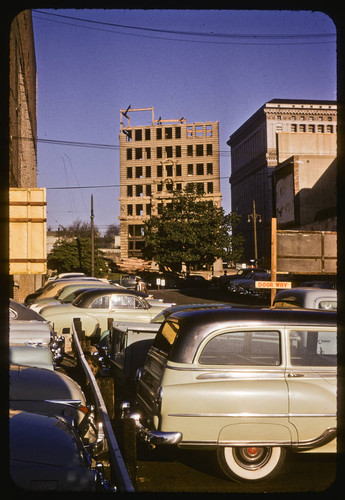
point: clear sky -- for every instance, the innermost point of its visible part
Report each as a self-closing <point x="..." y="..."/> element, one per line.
<point x="204" y="65"/>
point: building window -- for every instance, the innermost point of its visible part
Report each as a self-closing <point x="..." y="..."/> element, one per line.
<point x="158" y="133"/>
<point x="129" y="191"/>
<point x="301" y="128"/>
<point x="190" y="169"/>
<point x="209" y="149"/>
<point x="169" y="151"/>
<point x="210" y="187"/>
<point x="148" y="171"/>
<point x="208" y="130"/>
<point x="138" y="190"/>
<point x="129" y="209"/>
<point x="159" y="152"/>
<point x="168" y="170"/>
<point x="138" y="172"/>
<point x="199" y="169"/>
<point x="329" y="129"/>
<point x="148" y="190"/>
<point x="160" y="187"/>
<point x="311" y="128"/>
<point x="147" y="134"/>
<point x="320" y="129"/>
<point x="177" y="132"/>
<point x="129" y="172"/>
<point x="148" y="209"/>
<point x="168" y="132"/>
<point x="178" y="170"/>
<point x="139" y="209"/>
<point x="293" y="127"/>
<point x="199" y="132"/>
<point x="209" y="168"/>
<point x="138" y="153"/>
<point x="178" y="151"/>
<point x="199" y="150"/>
<point x="138" y="135"/>
<point x="159" y="170"/>
<point x="190" y="150"/>
<point x="200" y="187"/>
<point x="148" y="153"/>
<point x="189" y="131"/>
<point x="129" y="153"/>
<point x="178" y="186"/>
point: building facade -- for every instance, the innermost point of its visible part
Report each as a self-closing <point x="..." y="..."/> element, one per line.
<point x="23" y="155"/>
<point x="157" y="159"/>
<point x="279" y="130"/>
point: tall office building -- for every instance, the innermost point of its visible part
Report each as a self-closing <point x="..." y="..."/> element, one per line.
<point x="279" y="130"/>
<point x="156" y="159"/>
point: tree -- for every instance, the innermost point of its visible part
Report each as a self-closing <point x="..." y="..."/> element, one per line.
<point x="190" y="230"/>
<point x="69" y="255"/>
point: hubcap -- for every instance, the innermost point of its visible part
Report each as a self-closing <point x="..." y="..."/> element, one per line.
<point x="252" y="458"/>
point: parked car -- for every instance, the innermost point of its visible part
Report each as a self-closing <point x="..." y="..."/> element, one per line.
<point x="319" y="284"/>
<point x="129" y="281"/>
<point x="46" y="454"/>
<point x="67" y="294"/>
<point x="95" y="307"/>
<point x="307" y="298"/>
<point x="52" y="393"/>
<point x="223" y="281"/>
<point x="246" y="284"/>
<point x="248" y="383"/>
<point x="52" y="287"/>
<point x="38" y="356"/>
<point x="193" y="281"/>
<point x="124" y="347"/>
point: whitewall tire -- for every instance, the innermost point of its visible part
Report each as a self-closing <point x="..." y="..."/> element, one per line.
<point x="250" y="463"/>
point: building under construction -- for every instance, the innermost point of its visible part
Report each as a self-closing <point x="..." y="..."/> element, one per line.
<point x="156" y="159"/>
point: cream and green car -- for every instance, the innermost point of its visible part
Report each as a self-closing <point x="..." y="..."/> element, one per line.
<point x="249" y="383"/>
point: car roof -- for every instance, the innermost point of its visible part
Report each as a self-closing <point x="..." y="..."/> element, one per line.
<point x="21" y="312"/>
<point x="195" y="325"/>
<point x="301" y="292"/>
<point x="89" y="295"/>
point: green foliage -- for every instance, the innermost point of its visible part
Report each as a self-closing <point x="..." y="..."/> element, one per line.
<point x="69" y="255"/>
<point x="190" y="230"/>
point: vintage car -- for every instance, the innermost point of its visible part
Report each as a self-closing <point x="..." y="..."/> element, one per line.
<point x="96" y="307"/>
<point x="307" y="298"/>
<point x="47" y="455"/>
<point x="51" y="287"/>
<point x="31" y="355"/>
<point x="52" y="393"/>
<point x="223" y="281"/>
<point x="66" y="294"/>
<point x="123" y="348"/>
<point x="248" y="383"/>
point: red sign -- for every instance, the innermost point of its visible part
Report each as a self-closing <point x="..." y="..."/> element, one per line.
<point x="273" y="284"/>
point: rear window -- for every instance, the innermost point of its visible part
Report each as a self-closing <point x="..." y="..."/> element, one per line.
<point x="243" y="348"/>
<point x="167" y="335"/>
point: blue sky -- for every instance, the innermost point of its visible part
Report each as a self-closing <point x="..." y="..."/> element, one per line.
<point x="205" y="65"/>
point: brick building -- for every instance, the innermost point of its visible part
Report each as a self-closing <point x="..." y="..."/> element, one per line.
<point x="156" y="159"/>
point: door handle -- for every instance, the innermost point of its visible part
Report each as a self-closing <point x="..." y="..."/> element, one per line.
<point x="295" y="375"/>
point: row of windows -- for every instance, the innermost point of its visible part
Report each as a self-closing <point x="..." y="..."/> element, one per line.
<point x="141" y="209"/>
<point x="320" y="129"/>
<point x="169" y="170"/>
<point x="168" y="133"/>
<point x="169" y="152"/>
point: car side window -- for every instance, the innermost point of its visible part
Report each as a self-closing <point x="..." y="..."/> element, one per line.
<point x="125" y="302"/>
<point x="243" y="348"/>
<point x="330" y="305"/>
<point x="100" y="303"/>
<point x="313" y="348"/>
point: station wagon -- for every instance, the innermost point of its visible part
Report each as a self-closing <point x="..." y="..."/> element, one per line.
<point x="248" y="383"/>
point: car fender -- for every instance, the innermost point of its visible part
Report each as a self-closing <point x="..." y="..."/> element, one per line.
<point x="253" y="432"/>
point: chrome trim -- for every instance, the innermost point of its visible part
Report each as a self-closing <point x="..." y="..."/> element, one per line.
<point x="253" y="415"/>
<point x="155" y="437"/>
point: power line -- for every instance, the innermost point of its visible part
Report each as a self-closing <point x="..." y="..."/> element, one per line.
<point x="287" y="38"/>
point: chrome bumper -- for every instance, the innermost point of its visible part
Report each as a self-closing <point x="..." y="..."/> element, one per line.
<point x="151" y="437"/>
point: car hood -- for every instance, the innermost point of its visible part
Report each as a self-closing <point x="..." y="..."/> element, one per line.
<point x="52" y="310"/>
<point x="39" y="384"/>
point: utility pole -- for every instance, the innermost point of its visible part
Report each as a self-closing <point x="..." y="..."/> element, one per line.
<point x="92" y="240"/>
<point x="255" y="216"/>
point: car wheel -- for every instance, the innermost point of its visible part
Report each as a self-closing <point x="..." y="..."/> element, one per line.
<point x="250" y="463"/>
